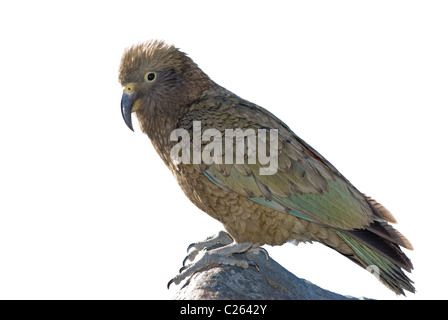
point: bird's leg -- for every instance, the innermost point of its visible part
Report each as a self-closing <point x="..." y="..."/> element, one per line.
<point x="221" y="255"/>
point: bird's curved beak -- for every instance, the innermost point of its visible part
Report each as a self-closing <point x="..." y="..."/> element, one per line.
<point x="129" y="104"/>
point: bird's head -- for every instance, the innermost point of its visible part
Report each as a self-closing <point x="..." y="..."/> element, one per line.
<point x="159" y="81"/>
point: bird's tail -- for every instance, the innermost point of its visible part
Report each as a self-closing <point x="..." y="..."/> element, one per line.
<point x="381" y="254"/>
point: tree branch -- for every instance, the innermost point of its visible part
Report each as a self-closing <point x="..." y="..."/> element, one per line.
<point x="271" y="282"/>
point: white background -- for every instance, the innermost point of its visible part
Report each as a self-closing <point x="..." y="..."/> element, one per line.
<point x="87" y="208"/>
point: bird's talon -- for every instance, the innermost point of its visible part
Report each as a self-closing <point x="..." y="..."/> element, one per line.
<point x="169" y="283"/>
<point x="185" y="260"/>
<point x="257" y="252"/>
<point x="192" y="245"/>
<point x="183" y="268"/>
<point x="252" y="263"/>
<point x="265" y="252"/>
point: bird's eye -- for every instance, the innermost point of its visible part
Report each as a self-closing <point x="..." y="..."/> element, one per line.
<point x="150" y="76"/>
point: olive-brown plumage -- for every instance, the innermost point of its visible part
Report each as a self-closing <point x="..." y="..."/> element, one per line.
<point x="305" y="200"/>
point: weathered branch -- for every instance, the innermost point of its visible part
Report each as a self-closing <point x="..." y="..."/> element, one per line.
<point x="270" y="282"/>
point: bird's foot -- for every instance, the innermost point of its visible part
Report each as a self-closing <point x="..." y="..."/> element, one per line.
<point x="222" y="238"/>
<point x="221" y="255"/>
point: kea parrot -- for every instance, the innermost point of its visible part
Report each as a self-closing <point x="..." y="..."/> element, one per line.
<point x="304" y="198"/>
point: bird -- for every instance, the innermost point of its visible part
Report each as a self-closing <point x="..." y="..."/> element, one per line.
<point x="297" y="197"/>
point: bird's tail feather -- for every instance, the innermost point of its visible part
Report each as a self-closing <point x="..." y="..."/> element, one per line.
<point x="381" y="257"/>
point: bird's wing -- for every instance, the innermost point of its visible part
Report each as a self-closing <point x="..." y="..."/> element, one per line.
<point x="305" y="184"/>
